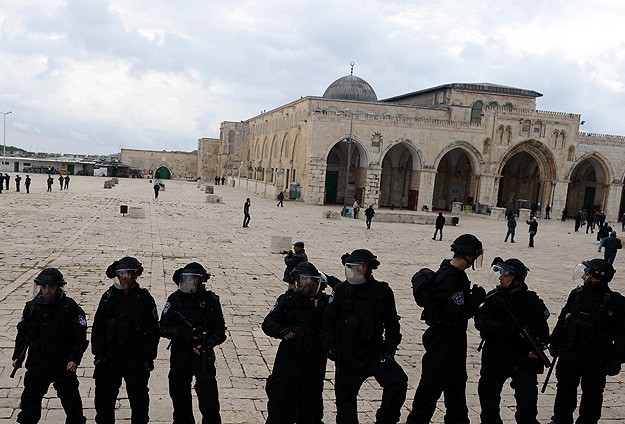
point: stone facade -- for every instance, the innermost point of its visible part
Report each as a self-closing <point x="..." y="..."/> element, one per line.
<point x="207" y="158"/>
<point x="159" y="164"/>
<point x="479" y="144"/>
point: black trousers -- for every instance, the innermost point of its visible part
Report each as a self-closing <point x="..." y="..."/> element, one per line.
<point x="182" y="370"/>
<point x="108" y="380"/>
<point x="389" y="375"/>
<point x="36" y="385"/>
<point x="525" y="385"/>
<point x="246" y="219"/>
<point x="570" y="374"/>
<point x="443" y="371"/>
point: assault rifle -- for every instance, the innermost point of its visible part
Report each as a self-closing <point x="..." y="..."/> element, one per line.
<point x="206" y="349"/>
<point x="553" y="364"/>
<point x="19" y="361"/>
<point x="537" y="347"/>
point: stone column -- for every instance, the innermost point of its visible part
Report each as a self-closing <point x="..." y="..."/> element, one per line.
<point x="486" y="195"/>
<point x="372" y="185"/>
<point x="559" y="198"/>
<point x="316" y="182"/>
<point x="613" y="203"/>
<point x="426" y="188"/>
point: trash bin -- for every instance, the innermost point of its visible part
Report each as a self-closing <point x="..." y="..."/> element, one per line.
<point x="293" y="191"/>
<point x="455" y="220"/>
<point x="123" y="209"/>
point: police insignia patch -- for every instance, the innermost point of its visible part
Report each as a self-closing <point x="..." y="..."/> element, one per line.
<point x="82" y="321"/>
<point x="166" y="308"/>
<point x="21" y="318"/>
<point x="155" y="314"/>
<point x="331" y="297"/>
<point x="458" y="298"/>
<point x="274" y="305"/>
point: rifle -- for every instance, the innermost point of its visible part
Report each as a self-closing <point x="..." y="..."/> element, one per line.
<point x="481" y="346"/>
<point x="19" y="361"/>
<point x="206" y="350"/>
<point x="537" y="346"/>
<point x="553" y="364"/>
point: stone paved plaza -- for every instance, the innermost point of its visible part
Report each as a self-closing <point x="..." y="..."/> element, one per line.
<point x="80" y="231"/>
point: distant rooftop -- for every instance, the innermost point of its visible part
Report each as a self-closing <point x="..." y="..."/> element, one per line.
<point x="480" y="87"/>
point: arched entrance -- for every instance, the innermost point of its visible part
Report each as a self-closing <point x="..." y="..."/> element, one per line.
<point x="587" y="187"/>
<point x="162" y="173"/>
<point x="336" y="170"/>
<point x="519" y="185"/>
<point x="454" y="180"/>
<point x="399" y="183"/>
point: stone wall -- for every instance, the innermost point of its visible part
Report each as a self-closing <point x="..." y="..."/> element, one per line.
<point x="208" y="159"/>
<point x="180" y="164"/>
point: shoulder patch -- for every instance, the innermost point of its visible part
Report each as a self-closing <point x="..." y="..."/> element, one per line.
<point x="331" y="296"/>
<point x="458" y="298"/>
<point x="21" y="318"/>
<point x="274" y="306"/>
<point x="166" y="308"/>
<point x="82" y="320"/>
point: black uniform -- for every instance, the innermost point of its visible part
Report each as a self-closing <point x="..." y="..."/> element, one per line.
<point x="295" y="386"/>
<point x="18" y="179"/>
<point x="27" y="184"/>
<point x="444" y="368"/>
<point x="291" y="260"/>
<point x="205" y="323"/>
<point x="590" y="340"/>
<point x="506" y="353"/>
<point x="124" y="343"/>
<point x="362" y="330"/>
<point x="55" y="334"/>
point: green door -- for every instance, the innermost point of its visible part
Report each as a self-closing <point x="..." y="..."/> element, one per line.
<point x="162" y="173"/>
<point x="589" y="197"/>
<point x="70" y="169"/>
<point x="332" y="182"/>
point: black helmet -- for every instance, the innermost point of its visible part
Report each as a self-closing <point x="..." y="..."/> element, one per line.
<point x="127" y="262"/>
<point x="50" y="276"/>
<point x="513" y="266"/>
<point x="600" y="268"/>
<point x="467" y="244"/>
<point x="307" y="278"/>
<point x="361" y="256"/>
<point x="191" y="268"/>
<point x="304" y="268"/>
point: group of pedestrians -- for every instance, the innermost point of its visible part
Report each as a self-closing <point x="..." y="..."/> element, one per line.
<point x="63" y="182"/>
<point x="6" y="178"/>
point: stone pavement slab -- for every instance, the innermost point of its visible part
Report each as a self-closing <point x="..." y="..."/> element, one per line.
<point x="80" y="231"/>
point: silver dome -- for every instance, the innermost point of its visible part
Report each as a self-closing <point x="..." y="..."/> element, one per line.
<point x="351" y="87"/>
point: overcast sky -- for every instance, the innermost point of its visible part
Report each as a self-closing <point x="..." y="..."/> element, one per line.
<point x="92" y="76"/>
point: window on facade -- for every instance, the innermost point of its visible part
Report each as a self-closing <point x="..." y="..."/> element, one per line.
<point x="476" y="111"/>
<point x="571" y="155"/>
<point x="494" y="105"/>
<point x="508" y="106"/>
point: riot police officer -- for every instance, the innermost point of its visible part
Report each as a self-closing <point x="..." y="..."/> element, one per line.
<point x="53" y="329"/>
<point x="589" y="342"/>
<point x="192" y="319"/>
<point x="513" y="324"/>
<point x="361" y="335"/>
<point x="295" y="386"/>
<point x="124" y="342"/>
<point x="444" y="365"/>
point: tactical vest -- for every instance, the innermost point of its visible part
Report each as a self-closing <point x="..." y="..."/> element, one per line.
<point x="585" y="328"/>
<point x="124" y="317"/>
<point x="360" y="314"/>
<point x="49" y="327"/>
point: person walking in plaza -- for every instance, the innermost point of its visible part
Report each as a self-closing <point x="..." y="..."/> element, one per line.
<point x="223" y="180"/>
<point x="603" y="233"/>
<point x="356" y="208"/>
<point x="564" y="215"/>
<point x="246" y="213"/>
<point x="293" y="257"/>
<point x="281" y="199"/>
<point x="623" y="222"/>
<point x="50" y="181"/>
<point x="590" y="222"/>
<point x="533" y="229"/>
<point x="511" y="224"/>
<point x="295" y="386"/>
<point x="18" y="180"/>
<point x="438" y="225"/>
<point x="27" y="183"/>
<point x="124" y="343"/>
<point x="578" y="220"/>
<point x="157" y="188"/>
<point x="611" y="245"/>
<point x="61" y="180"/>
<point x="589" y="343"/>
<point x="444" y="364"/>
<point x="369" y="214"/>
<point x="53" y="330"/>
<point x="361" y="336"/>
<point x="547" y="210"/>
<point x="193" y="320"/>
<point x="7" y="178"/>
<point x="506" y="352"/>
<point x="66" y="180"/>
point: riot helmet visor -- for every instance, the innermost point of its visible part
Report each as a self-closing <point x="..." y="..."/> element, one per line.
<point x="355" y="273"/>
<point x="125" y="278"/>
<point x="189" y="283"/>
<point x="308" y="284"/>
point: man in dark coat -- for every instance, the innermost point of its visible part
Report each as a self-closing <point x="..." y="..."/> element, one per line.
<point x="369" y="214"/>
<point x="589" y="342"/>
<point x="506" y="352"/>
<point x="54" y="330"/>
<point x="361" y="335"/>
<point x="533" y="229"/>
<point x="444" y="365"/>
<point x="246" y="213"/>
<point x="193" y="320"/>
<point x="27" y="183"/>
<point x="295" y="386"/>
<point x="611" y="245"/>
<point x="6" y="181"/>
<point x="61" y="180"/>
<point x="18" y="180"/>
<point x="293" y="257"/>
<point x="438" y="226"/>
<point x="50" y="181"/>
<point x="511" y="224"/>
<point x="124" y="343"/>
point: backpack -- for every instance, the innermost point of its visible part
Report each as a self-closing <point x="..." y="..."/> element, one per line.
<point x="423" y="284"/>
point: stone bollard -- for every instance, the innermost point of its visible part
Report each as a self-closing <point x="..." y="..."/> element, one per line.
<point x="199" y="184"/>
<point x="213" y="198"/>
<point x="524" y="214"/>
<point x="331" y="215"/>
<point x="280" y="243"/>
<point x="498" y="213"/>
<point x="115" y="180"/>
<point x="136" y="212"/>
<point x="209" y="189"/>
<point x="456" y="207"/>
<point x="108" y="184"/>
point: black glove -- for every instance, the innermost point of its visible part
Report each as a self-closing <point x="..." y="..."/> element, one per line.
<point x="386" y="357"/>
<point x="613" y="368"/>
<point x="332" y="354"/>
<point x="148" y="365"/>
<point x="478" y="294"/>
